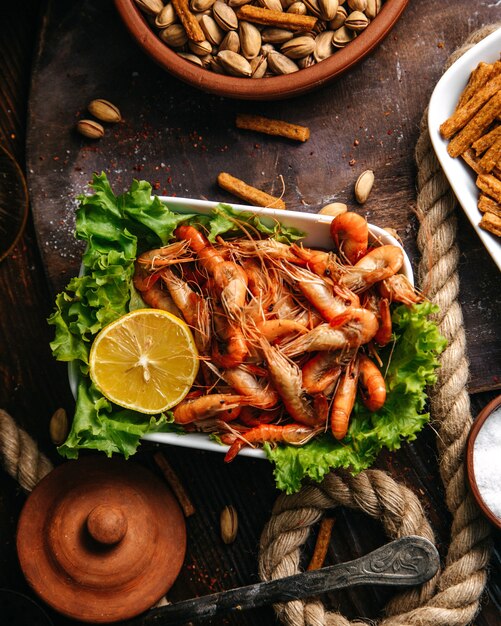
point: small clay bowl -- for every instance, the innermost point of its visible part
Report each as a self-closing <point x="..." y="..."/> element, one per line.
<point x="477" y="426"/>
<point x="274" y="88"/>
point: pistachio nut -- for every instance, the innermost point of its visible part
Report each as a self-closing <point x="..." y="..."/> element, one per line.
<point x="313" y="7"/>
<point x="363" y="186"/>
<point x="59" y="427"/>
<point x="298" y="47"/>
<point x="357" y="5"/>
<point x="231" y="41"/>
<point x="266" y="48"/>
<point x="339" y="18"/>
<point x="225" y="16"/>
<point x="174" y="35"/>
<point x="201" y="5"/>
<point x="342" y="36"/>
<point x="334" y="209"/>
<point x="104" y="110"/>
<point x="306" y="62"/>
<point x="234" y="4"/>
<point x="323" y="46"/>
<point x="215" y="66"/>
<point x="200" y="48"/>
<point x="276" y="35"/>
<point x="234" y="63"/>
<point x="272" y="5"/>
<point x="259" y="65"/>
<point x="151" y="7"/>
<point x="166" y="17"/>
<point x="211" y="30"/>
<point x="280" y="64"/>
<point x="298" y="8"/>
<point x="250" y="39"/>
<point x="191" y="57"/>
<point x="327" y="9"/>
<point x="373" y="8"/>
<point x="357" y="21"/>
<point x="90" y="129"/>
<point x="228" y="524"/>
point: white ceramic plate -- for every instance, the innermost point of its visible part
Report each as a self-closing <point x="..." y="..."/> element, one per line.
<point x="442" y="104"/>
<point x="317" y="229"/>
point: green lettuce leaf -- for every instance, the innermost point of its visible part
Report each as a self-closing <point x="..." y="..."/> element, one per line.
<point x="410" y="364"/>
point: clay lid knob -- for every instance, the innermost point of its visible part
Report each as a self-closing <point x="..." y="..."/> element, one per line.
<point x="107" y="524"/>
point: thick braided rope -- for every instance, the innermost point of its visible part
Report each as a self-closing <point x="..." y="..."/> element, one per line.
<point x="452" y="598"/>
<point x="21" y="457"/>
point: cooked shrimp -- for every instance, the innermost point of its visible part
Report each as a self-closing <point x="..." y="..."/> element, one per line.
<point x="152" y="293"/>
<point x="229" y="277"/>
<point x="376" y="265"/>
<point x="317" y="261"/>
<point x="259" y="394"/>
<point x="384" y="332"/>
<point x="358" y="328"/>
<point x="321" y="371"/>
<point x="344" y="399"/>
<point x="292" y="434"/>
<point x="287" y="380"/>
<point x="230" y="347"/>
<point x="371" y="383"/>
<point x="397" y="288"/>
<point x="350" y="233"/>
<point x="177" y="252"/>
<point x="252" y="416"/>
<point x="275" y="329"/>
<point x="193" y="306"/>
<point x="203" y="407"/>
<point x="320" y="294"/>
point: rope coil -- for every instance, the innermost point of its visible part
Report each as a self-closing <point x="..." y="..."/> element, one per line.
<point x="451" y="598"/>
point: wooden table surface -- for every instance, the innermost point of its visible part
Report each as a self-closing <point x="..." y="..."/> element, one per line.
<point x="179" y="139"/>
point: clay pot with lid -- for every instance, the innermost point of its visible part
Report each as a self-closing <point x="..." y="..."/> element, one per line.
<point x="101" y="540"/>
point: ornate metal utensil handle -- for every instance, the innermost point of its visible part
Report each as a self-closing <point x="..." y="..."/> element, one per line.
<point x="403" y="562"/>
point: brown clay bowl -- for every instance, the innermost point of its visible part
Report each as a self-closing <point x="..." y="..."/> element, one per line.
<point x="274" y="88"/>
<point x="470" y="466"/>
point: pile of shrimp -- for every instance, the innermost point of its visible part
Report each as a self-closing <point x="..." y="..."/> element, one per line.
<point x="286" y="334"/>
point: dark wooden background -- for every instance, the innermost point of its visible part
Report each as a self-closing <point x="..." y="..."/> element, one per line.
<point x="179" y="139"/>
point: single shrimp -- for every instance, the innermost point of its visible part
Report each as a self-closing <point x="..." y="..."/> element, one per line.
<point x="319" y="262"/>
<point x="259" y="394"/>
<point x="398" y="288"/>
<point x="152" y="293"/>
<point x="229" y="277"/>
<point x="359" y="327"/>
<point x="328" y="301"/>
<point x="193" y="306"/>
<point x="252" y="416"/>
<point x="292" y="434"/>
<point x="344" y="399"/>
<point x="230" y="347"/>
<point x="321" y="371"/>
<point x="287" y="380"/>
<point x="203" y="407"/>
<point x="350" y="233"/>
<point x="177" y="252"/>
<point x="376" y="265"/>
<point x="275" y="329"/>
<point x="384" y="332"/>
<point x="371" y="383"/>
<point x="263" y="248"/>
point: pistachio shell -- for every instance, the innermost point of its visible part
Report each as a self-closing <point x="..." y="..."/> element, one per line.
<point x="225" y="16"/>
<point x="273" y="5"/>
<point x="201" y="5"/>
<point x="250" y="39"/>
<point x="235" y="64"/>
<point x="191" y="57"/>
<point x="229" y="524"/>
<point x="280" y="64"/>
<point x="166" y="17"/>
<point x="364" y="185"/>
<point x="259" y="65"/>
<point x="59" y="427"/>
<point x="276" y="35"/>
<point x="323" y="46"/>
<point x="357" y="5"/>
<point x="90" y="129"/>
<point x="211" y="30"/>
<point x="231" y="42"/>
<point x="104" y="110"/>
<point x="174" y="35"/>
<point x="200" y="48"/>
<point x="338" y="21"/>
<point x="298" y="47"/>
<point x="334" y="209"/>
<point x="356" y="21"/>
<point x="151" y="7"/>
<point x="373" y="8"/>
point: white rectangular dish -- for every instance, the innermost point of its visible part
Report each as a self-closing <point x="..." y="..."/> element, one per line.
<point x="442" y="104"/>
<point x="317" y="229"/>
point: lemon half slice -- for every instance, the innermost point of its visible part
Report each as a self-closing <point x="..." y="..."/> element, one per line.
<point x="145" y="361"/>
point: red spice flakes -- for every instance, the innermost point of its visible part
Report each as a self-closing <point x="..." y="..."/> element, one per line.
<point x="351" y="162"/>
<point x="55" y="158"/>
<point x="156" y="185"/>
<point x="440" y="44"/>
<point x="356" y="142"/>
